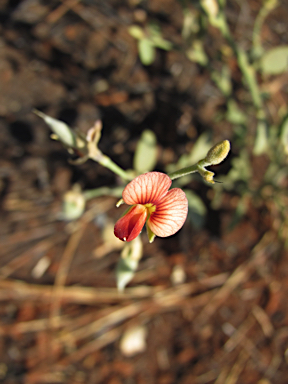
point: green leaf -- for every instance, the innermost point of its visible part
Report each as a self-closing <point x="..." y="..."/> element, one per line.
<point x="146" y="51"/>
<point x="145" y="156"/>
<point x="161" y="43"/>
<point x="223" y="80"/>
<point x="190" y="23"/>
<point x="136" y="32"/>
<point x="128" y="263"/>
<point x="261" y="142"/>
<point x="234" y="114"/>
<point x="197" y="210"/>
<point x="275" y="61"/>
<point x="196" y="53"/>
<point x="284" y="134"/>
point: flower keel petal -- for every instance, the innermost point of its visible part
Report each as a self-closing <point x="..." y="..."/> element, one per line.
<point x="170" y="214"/>
<point x="148" y="188"/>
<point x="130" y="225"/>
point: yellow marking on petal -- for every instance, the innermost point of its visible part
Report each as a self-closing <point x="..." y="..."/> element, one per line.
<point x="150" y="208"/>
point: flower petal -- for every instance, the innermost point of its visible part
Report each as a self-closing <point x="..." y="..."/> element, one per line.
<point x="148" y="188"/>
<point x="170" y="214"/>
<point x="131" y="224"/>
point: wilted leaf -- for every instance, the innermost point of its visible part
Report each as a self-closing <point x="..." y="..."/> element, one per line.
<point x="63" y="132"/>
<point x="275" y="61"/>
<point x="145" y="156"/>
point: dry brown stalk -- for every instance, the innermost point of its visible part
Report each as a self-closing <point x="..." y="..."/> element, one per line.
<point x="237" y="368"/>
<point x="59" y="12"/>
<point x="24" y="257"/>
<point x="117" y="316"/>
<point x="264" y="321"/>
<point x="241" y="274"/>
<point x="239" y="335"/>
<point x="26" y="236"/>
<point x="18" y="290"/>
<point x="103" y="340"/>
<point x="62" y="274"/>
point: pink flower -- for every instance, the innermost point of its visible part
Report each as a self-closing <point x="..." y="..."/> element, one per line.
<point x="163" y="211"/>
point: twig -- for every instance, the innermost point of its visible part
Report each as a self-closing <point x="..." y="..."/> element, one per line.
<point x="62" y="273"/>
<point x="259" y="256"/>
<point x="239" y="335"/>
<point x="17" y="290"/>
<point x="24" y="257"/>
<point x="264" y="321"/>
<point x="59" y="12"/>
<point x="28" y="235"/>
<point x="237" y="368"/>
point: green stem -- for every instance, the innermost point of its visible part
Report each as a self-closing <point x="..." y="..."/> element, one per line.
<point x="184" y="171"/>
<point x="108" y="163"/>
<point x="267" y="7"/>
<point x="91" y="193"/>
<point x="246" y="68"/>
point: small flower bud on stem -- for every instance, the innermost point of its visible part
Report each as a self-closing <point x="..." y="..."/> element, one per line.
<point x="217" y="153"/>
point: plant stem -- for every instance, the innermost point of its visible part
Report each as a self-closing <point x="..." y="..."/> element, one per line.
<point x="267" y="7"/>
<point x="184" y="171"/>
<point x="91" y="193"/>
<point x="108" y="163"/>
<point x="105" y="161"/>
<point x="247" y="69"/>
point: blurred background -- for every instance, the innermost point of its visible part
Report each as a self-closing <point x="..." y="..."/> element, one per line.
<point x="207" y="305"/>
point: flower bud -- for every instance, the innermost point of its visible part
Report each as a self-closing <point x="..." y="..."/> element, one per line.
<point x="73" y="203"/>
<point x="217" y="153"/>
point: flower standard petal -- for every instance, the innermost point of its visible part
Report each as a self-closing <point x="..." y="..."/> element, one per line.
<point x="130" y="225"/>
<point x="147" y="188"/>
<point x="170" y="214"/>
